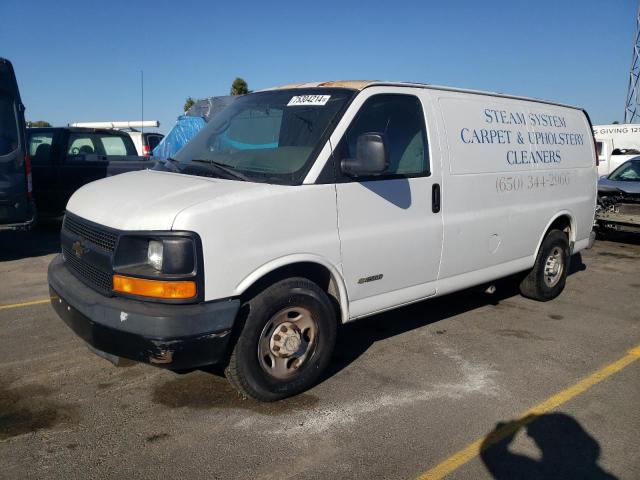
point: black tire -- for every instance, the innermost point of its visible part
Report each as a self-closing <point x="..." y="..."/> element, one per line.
<point x="247" y="372"/>
<point x="534" y="285"/>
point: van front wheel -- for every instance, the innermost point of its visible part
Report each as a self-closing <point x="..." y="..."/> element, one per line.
<point x="286" y="342"/>
<point x="547" y="278"/>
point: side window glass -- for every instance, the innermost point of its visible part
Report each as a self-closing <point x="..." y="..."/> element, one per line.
<point x="80" y="144"/>
<point x="113" y="145"/>
<point x="8" y="125"/>
<point x="154" y="140"/>
<point x="400" y="120"/>
<point x="599" y="148"/>
<point x="40" y="148"/>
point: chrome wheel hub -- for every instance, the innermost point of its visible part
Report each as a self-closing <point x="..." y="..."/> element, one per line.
<point x="554" y="266"/>
<point x="287" y="341"/>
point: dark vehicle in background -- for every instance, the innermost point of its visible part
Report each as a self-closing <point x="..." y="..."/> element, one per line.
<point x="618" y="206"/>
<point x="16" y="203"/>
<point x="66" y="158"/>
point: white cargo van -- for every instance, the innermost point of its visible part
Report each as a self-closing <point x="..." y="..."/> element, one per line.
<point x="299" y="208"/>
<point x="615" y="144"/>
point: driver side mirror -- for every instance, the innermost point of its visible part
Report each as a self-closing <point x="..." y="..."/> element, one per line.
<point x="371" y="156"/>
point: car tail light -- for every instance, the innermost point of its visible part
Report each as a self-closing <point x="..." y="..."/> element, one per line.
<point x="146" y="150"/>
<point x="27" y="171"/>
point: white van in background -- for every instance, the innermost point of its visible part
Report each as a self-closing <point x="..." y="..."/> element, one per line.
<point x="615" y="144"/>
<point x="145" y="142"/>
<point x="299" y="208"/>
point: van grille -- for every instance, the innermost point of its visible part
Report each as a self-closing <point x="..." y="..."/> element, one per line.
<point x="94" y="277"/>
<point x="99" y="237"/>
<point x="88" y="250"/>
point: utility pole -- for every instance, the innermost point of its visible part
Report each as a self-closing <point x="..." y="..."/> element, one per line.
<point x="632" y="106"/>
<point x="142" y="97"/>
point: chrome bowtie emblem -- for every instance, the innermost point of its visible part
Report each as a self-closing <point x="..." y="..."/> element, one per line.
<point x="78" y="249"/>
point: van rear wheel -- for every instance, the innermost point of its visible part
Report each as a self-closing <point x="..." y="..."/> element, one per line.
<point x="547" y="278"/>
<point x="286" y="341"/>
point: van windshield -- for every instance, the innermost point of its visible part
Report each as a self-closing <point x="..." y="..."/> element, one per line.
<point x="270" y="137"/>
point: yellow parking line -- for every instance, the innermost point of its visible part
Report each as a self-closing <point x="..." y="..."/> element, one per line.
<point x="458" y="459"/>
<point x="25" y="304"/>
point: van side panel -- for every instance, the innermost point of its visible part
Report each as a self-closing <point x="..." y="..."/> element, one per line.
<point x="15" y="208"/>
<point x="511" y="166"/>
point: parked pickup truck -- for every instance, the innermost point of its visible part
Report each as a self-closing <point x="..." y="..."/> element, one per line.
<point x="64" y="159"/>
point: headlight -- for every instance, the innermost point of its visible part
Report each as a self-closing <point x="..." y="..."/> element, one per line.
<point x="158" y="265"/>
<point x="154" y="254"/>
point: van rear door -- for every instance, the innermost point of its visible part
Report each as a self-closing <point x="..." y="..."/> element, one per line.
<point x="15" y="190"/>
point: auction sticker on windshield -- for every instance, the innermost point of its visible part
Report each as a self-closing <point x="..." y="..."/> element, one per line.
<point x="300" y="100"/>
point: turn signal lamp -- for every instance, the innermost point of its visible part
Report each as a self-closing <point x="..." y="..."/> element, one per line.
<point x="171" y="290"/>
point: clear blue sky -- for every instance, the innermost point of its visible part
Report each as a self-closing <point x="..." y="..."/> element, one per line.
<point x="81" y="61"/>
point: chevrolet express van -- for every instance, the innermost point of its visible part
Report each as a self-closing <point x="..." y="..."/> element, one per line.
<point x="299" y="208"/>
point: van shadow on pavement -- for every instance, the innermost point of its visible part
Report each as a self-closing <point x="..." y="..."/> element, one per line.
<point x="567" y="450"/>
<point x="43" y="240"/>
<point x="355" y="338"/>
<point x="201" y="390"/>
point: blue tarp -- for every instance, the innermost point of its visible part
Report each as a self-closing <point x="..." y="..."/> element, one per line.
<point x="183" y="131"/>
<point x="189" y="124"/>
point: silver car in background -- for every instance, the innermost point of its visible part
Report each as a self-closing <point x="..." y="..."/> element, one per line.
<point x="618" y="206"/>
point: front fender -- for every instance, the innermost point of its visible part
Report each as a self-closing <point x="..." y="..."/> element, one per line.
<point x="293" y="259"/>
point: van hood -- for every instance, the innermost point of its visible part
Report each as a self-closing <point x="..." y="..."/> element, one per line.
<point x="149" y="199"/>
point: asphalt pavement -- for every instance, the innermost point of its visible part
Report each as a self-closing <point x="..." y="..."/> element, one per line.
<point x="442" y="386"/>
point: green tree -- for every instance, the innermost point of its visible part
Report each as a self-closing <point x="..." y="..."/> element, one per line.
<point x="615" y="122"/>
<point x="189" y="102"/>
<point x="239" y="87"/>
<point x="38" y="123"/>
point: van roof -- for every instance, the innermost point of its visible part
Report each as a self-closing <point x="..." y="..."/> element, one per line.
<point x="8" y="82"/>
<point x="362" y="84"/>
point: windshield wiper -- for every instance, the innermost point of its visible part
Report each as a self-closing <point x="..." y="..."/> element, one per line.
<point x="228" y="170"/>
<point x="166" y="164"/>
<point x="172" y="161"/>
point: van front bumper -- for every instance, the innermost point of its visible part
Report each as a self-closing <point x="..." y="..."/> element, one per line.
<point x="171" y="336"/>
